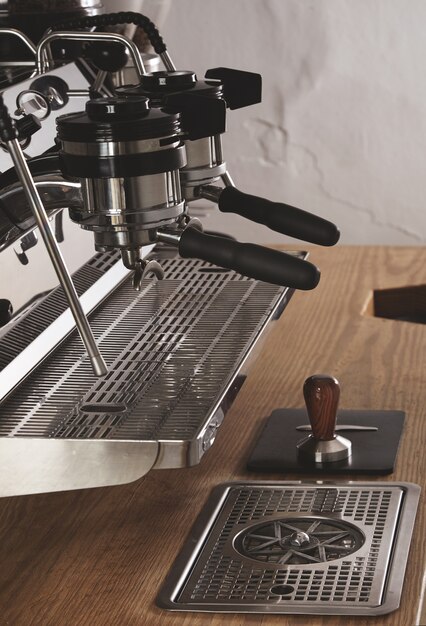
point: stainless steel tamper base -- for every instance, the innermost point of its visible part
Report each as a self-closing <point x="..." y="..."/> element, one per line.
<point x="320" y="451"/>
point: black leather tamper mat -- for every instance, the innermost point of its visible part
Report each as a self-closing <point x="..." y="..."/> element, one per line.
<point x="321" y="439"/>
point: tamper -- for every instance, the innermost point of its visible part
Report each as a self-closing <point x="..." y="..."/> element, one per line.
<point x="374" y="436"/>
<point x="321" y="393"/>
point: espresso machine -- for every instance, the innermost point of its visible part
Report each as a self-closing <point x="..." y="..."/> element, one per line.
<point x="131" y="361"/>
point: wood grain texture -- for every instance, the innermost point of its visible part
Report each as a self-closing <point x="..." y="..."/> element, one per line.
<point x="98" y="557"/>
<point x="321" y="393"/>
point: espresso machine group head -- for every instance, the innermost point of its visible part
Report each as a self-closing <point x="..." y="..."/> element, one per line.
<point x="127" y="157"/>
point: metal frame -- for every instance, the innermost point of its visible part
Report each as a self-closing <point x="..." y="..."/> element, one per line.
<point x="191" y="556"/>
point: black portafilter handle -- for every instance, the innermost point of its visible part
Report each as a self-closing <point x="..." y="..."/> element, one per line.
<point x="249" y="259"/>
<point x="280" y="217"/>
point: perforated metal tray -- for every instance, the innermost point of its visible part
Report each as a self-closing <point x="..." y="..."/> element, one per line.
<point x="175" y="351"/>
<point x="313" y="548"/>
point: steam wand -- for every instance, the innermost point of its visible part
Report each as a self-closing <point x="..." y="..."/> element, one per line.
<point x="9" y="136"/>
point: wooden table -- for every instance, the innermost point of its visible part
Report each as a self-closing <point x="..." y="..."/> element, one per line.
<point x="99" y="557"/>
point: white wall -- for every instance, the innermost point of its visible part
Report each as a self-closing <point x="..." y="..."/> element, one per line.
<point x="341" y="130"/>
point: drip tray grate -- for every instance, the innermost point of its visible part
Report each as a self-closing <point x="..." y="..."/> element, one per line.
<point x="177" y="353"/>
<point x="296" y="548"/>
<point x="173" y="349"/>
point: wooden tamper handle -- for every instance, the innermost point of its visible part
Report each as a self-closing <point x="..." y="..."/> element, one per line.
<point x="322" y="393"/>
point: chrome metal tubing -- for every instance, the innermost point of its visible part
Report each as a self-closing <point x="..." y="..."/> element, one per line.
<point x="79" y="93"/>
<point x="172" y="235"/>
<point x="217" y="142"/>
<point x="169" y="236"/>
<point x="227" y="180"/>
<point x="99" y="80"/>
<point x="167" y="61"/>
<point x="44" y="45"/>
<point x="21" y="36"/>
<point x="34" y="200"/>
<point x="104" y="90"/>
<point x="226" y="177"/>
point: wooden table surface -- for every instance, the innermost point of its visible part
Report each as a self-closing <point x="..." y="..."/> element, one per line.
<point x="99" y="557"/>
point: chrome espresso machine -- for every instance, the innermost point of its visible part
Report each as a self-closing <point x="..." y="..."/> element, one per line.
<point x="130" y="361"/>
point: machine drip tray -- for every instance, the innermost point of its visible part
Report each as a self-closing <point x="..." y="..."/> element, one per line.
<point x="312" y="548"/>
<point x="176" y="351"/>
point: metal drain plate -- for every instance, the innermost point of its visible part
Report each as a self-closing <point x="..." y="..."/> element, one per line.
<point x="296" y="547"/>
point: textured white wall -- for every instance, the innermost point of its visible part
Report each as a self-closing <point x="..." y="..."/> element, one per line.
<point x="341" y="130"/>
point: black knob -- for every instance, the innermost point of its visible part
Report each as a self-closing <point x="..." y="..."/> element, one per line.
<point x="109" y="109"/>
<point x="110" y="57"/>
<point x="240" y="89"/>
<point x="168" y="81"/>
<point x="27" y="126"/>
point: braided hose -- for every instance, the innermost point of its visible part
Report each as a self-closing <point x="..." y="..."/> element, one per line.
<point x="114" y="19"/>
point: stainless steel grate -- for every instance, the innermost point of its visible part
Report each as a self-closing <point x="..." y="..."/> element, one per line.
<point x="293" y="548"/>
<point x="173" y="351"/>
